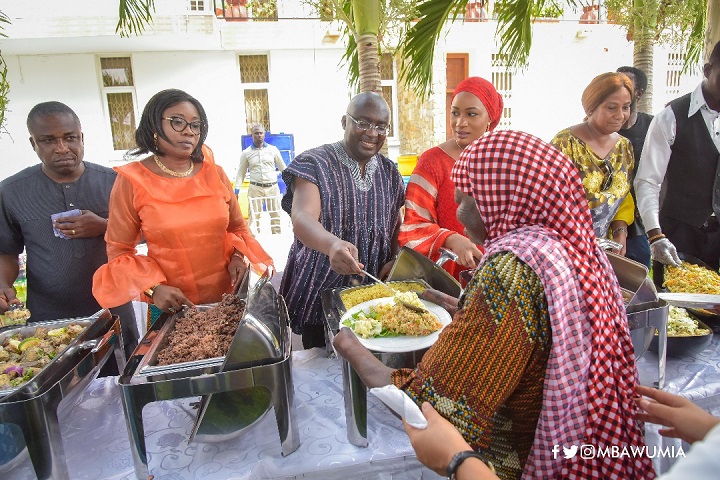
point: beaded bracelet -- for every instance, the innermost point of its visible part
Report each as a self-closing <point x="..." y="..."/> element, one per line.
<point x="618" y="230"/>
<point x="655" y="238"/>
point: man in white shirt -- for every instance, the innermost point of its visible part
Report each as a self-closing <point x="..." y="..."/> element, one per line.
<point x="682" y="149"/>
<point x="259" y="161"/>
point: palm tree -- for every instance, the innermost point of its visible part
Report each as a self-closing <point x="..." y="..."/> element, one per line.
<point x="645" y="19"/>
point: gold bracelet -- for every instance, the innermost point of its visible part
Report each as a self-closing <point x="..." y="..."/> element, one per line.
<point x="656" y="237"/>
<point x="151" y="291"/>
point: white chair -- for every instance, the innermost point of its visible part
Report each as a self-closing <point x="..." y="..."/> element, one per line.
<point x="266" y="214"/>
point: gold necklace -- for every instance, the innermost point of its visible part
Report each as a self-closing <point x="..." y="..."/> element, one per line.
<point x="458" y="144"/>
<point x="173" y="172"/>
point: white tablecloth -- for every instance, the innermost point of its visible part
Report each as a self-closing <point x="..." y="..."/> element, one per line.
<point x="97" y="446"/>
<point x="696" y="377"/>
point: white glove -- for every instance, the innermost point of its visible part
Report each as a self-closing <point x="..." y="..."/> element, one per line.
<point x="664" y="252"/>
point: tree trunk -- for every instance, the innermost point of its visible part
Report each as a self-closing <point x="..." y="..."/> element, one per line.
<point x="644" y="28"/>
<point x="369" y="62"/>
<point x="366" y="20"/>
<point x="712" y="29"/>
<point x="643" y="59"/>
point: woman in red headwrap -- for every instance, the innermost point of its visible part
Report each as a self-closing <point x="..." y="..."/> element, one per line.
<point x="539" y="354"/>
<point x="430" y="222"/>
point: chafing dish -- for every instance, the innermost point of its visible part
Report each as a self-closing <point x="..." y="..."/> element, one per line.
<point x="259" y="356"/>
<point x="33" y="407"/>
<point x="410" y="266"/>
<point x="646" y="313"/>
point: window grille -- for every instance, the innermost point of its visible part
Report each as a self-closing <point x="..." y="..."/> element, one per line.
<point x="255" y="77"/>
<point x="673" y="76"/>
<point x="197" y="5"/>
<point x="502" y="78"/>
<point x="388" y="86"/>
<point x="254" y="69"/>
<point x="118" y="89"/>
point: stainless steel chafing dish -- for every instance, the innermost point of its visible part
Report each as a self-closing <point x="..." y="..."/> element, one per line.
<point x="33" y="407"/>
<point x="410" y="266"/>
<point x="259" y="356"/>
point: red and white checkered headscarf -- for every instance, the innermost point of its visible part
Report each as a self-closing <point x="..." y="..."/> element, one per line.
<point x="532" y="201"/>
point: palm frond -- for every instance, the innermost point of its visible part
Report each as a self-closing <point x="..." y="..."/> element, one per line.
<point x="418" y="44"/>
<point x="134" y="16"/>
<point x="3" y="20"/>
<point x="695" y="46"/>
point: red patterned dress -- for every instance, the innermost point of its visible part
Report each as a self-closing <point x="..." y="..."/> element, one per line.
<point x="430" y="208"/>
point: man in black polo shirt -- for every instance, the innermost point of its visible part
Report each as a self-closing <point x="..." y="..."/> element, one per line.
<point x="682" y="148"/>
<point x="62" y="254"/>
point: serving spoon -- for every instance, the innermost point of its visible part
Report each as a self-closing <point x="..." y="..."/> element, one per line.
<point x="405" y="304"/>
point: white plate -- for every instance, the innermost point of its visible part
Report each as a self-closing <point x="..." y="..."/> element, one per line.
<point x="402" y="343"/>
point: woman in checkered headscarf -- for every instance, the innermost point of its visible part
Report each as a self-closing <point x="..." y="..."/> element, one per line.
<point x="534" y="211"/>
<point x="538" y="355"/>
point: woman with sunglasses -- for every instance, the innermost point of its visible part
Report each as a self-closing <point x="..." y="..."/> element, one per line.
<point x="603" y="157"/>
<point x="182" y="204"/>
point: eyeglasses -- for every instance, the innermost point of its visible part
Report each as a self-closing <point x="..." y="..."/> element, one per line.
<point x="365" y="126"/>
<point x="180" y="124"/>
<point x="609" y="174"/>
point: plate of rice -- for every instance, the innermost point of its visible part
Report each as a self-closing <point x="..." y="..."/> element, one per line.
<point x="382" y="325"/>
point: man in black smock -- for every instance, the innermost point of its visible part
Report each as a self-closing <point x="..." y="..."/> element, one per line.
<point x="59" y="270"/>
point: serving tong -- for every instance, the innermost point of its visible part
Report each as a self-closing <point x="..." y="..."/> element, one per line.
<point x="405" y="304"/>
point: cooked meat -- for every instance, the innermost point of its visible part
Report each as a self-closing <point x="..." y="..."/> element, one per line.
<point x="202" y="335"/>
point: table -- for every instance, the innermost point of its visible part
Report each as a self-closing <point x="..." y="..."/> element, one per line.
<point x="97" y="445"/>
<point x="696" y="377"/>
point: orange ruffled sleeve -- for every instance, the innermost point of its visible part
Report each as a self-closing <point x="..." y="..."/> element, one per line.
<point x="191" y="225"/>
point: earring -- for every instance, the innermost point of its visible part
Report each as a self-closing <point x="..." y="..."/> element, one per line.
<point x="156" y="141"/>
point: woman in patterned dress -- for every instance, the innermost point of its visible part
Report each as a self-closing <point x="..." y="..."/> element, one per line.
<point x="539" y="353"/>
<point x="430" y="222"/>
<point x="603" y="157"/>
<point x="344" y="200"/>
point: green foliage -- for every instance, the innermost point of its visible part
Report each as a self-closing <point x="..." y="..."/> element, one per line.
<point x="134" y="16"/>
<point x="418" y="44"/>
<point x="263" y="9"/>
<point x="677" y="22"/>
<point x="395" y="17"/>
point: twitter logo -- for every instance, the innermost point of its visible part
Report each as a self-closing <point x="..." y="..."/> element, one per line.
<point x="570" y="452"/>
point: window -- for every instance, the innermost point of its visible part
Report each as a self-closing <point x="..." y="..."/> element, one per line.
<point x="118" y="89"/>
<point x="388" y="85"/>
<point x="255" y="79"/>
<point x="502" y="79"/>
<point x="196" y="5"/>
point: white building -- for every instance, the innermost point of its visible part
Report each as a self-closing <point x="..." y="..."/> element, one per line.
<point x="287" y="73"/>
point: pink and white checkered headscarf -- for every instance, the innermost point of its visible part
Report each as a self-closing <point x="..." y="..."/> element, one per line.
<point x="533" y="203"/>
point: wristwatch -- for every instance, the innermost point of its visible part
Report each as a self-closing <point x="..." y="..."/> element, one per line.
<point x="459" y="458"/>
<point x="151" y="291"/>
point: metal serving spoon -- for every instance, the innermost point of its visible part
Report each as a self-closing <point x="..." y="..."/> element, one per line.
<point x="405" y="304"/>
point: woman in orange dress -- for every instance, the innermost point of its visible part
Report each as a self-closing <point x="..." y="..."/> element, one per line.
<point x="183" y="205"/>
<point x="430" y="222"/>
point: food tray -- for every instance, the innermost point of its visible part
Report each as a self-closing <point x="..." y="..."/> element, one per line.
<point x="28" y="330"/>
<point x="337" y="292"/>
<point x="712" y="320"/>
<point x="157" y="339"/>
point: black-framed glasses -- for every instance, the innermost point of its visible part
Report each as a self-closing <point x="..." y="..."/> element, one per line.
<point x="365" y="126"/>
<point x="179" y="124"/>
<point x="609" y="173"/>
